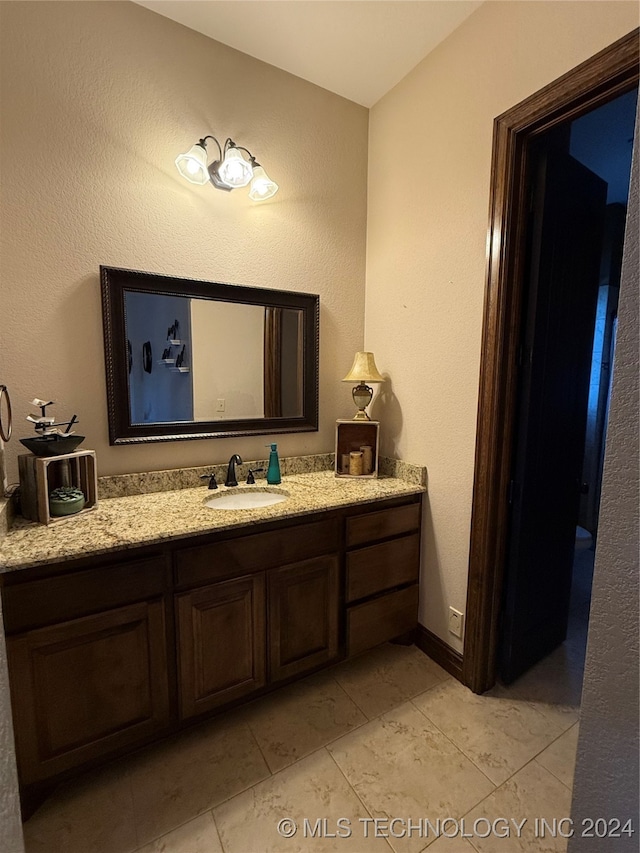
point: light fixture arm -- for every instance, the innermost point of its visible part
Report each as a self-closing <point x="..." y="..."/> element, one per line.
<point x="203" y="143"/>
<point x="228" y="143"/>
<point x="241" y="148"/>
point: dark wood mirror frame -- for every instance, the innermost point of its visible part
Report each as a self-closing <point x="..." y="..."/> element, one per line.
<point x="115" y="283"/>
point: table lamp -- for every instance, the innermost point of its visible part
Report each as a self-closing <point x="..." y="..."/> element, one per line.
<point x="363" y="370"/>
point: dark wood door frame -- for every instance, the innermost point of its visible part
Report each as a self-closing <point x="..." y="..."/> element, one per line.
<point x="606" y="75"/>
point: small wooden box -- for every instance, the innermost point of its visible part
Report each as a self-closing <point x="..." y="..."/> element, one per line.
<point x="352" y="435"/>
<point x="39" y="475"/>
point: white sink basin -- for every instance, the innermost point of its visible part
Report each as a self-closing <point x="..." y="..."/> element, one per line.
<point x="245" y="499"/>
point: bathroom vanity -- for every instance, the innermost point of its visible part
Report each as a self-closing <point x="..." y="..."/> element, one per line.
<point x="109" y="651"/>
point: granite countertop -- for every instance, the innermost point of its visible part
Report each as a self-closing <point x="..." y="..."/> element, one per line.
<point x="127" y="522"/>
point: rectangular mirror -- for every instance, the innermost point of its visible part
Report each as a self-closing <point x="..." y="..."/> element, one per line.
<point x="196" y="359"/>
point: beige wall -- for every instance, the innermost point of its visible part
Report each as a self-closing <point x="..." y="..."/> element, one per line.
<point x="430" y="144"/>
<point x="97" y="101"/>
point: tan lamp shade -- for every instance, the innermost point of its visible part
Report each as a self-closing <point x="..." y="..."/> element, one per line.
<point x="363" y="370"/>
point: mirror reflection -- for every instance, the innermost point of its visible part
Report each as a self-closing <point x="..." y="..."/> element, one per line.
<point x="195" y="359"/>
<point x="199" y="359"/>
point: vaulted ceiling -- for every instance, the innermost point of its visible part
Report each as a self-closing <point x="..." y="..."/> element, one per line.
<point x="358" y="49"/>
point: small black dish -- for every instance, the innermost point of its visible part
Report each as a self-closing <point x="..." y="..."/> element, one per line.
<point x="52" y="445"/>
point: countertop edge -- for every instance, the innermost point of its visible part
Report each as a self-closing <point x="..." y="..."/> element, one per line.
<point x="31" y="545"/>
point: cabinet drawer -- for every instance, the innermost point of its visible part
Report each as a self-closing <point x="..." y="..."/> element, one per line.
<point x="66" y="596"/>
<point x="234" y="557"/>
<point x="362" y="529"/>
<point x="379" y="567"/>
<point x="381" y="619"/>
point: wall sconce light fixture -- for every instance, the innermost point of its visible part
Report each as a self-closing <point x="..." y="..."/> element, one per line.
<point x="363" y="370"/>
<point x="232" y="169"/>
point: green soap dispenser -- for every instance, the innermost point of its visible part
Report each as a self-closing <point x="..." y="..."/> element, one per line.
<point x="273" y="471"/>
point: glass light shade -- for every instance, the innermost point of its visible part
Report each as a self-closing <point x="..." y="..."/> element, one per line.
<point x="364" y="369"/>
<point x="234" y="169"/>
<point x="262" y="186"/>
<point x="193" y="165"/>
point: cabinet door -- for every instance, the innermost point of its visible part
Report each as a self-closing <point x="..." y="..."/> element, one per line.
<point x="221" y="643"/>
<point x="303" y="616"/>
<point x="86" y="687"/>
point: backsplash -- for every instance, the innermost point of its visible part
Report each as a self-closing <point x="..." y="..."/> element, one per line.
<point x="416" y="474"/>
<point x="122" y="485"/>
<point x="6" y="515"/>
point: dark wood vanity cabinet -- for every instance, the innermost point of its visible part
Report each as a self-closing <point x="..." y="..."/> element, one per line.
<point x="277" y="621"/>
<point x="304" y="603"/>
<point x="381" y="579"/>
<point x="221" y="643"/>
<point x="108" y="653"/>
<point x="88" y="667"/>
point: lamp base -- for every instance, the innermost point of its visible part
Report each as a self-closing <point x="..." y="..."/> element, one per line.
<point x="361" y="415"/>
<point x="362" y="395"/>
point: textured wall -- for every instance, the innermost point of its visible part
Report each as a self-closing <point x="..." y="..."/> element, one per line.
<point x="430" y="143"/>
<point x="97" y="100"/>
<point x="606" y="780"/>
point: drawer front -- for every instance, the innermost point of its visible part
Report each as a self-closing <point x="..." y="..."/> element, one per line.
<point x="382" y="619"/>
<point x="362" y="529"/>
<point x="234" y="557"/>
<point x="67" y="596"/>
<point x="384" y="566"/>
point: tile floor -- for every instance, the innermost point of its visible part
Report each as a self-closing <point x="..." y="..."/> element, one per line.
<point x="387" y="735"/>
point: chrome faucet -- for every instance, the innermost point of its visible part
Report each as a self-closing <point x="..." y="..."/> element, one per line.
<point x="231" y="470"/>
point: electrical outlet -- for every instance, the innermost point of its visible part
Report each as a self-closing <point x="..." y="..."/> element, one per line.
<point x="220" y="404"/>
<point x="456" y="620"/>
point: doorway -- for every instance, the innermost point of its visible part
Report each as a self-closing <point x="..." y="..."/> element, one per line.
<point x="575" y="237"/>
<point x="611" y="73"/>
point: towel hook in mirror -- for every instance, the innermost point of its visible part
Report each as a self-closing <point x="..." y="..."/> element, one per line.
<point x="5" y="431"/>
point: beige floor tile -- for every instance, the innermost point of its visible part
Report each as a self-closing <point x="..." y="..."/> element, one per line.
<point x="178" y="780"/>
<point x="94" y="814"/>
<point x="499" y="734"/>
<point x="533" y="793"/>
<point x="197" y="836"/>
<point x="301" y="718"/>
<point x="446" y="844"/>
<point x="554" y="685"/>
<point x="560" y="757"/>
<point x="312" y="789"/>
<point x="387" y="676"/>
<point x="401" y="766"/>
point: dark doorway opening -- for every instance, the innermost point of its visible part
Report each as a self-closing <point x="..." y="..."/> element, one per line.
<point x="609" y="74"/>
<point x="574" y="243"/>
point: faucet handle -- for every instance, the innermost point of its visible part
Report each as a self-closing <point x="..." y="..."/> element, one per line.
<point x="211" y="478"/>
<point x="250" y="478"/>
